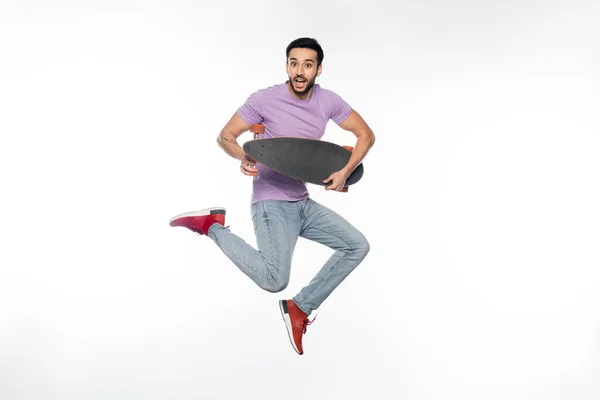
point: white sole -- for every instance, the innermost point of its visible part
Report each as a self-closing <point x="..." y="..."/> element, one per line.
<point x="288" y="325"/>
<point x="199" y="213"/>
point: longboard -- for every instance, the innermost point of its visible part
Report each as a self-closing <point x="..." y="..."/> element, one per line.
<point x="308" y="160"/>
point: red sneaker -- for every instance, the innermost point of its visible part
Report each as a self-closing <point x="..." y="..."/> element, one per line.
<point x="296" y="322"/>
<point x="200" y="221"/>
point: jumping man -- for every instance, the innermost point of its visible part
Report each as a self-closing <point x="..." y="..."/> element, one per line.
<point x="281" y="207"/>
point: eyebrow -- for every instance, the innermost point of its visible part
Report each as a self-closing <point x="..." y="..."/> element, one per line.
<point x="307" y="59"/>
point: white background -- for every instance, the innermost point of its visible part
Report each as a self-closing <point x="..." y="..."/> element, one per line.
<point x="480" y="201"/>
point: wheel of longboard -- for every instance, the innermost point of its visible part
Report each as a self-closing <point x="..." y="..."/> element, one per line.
<point x="257" y="128"/>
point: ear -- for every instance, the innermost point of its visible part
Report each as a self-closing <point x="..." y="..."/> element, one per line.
<point x="319" y="70"/>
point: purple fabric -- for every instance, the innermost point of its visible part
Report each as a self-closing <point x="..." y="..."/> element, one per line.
<point x="284" y="115"/>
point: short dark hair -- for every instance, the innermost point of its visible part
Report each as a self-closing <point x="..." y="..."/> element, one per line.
<point x="306" y="43"/>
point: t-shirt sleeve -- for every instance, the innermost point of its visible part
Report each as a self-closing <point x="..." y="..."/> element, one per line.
<point x="340" y="109"/>
<point x="251" y="110"/>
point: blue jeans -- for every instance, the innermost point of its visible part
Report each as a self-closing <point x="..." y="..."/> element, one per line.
<point x="278" y="225"/>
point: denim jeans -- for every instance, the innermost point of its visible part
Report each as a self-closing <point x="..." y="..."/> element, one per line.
<point x="277" y="225"/>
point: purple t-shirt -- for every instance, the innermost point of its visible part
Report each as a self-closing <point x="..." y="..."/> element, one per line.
<point x="284" y="115"/>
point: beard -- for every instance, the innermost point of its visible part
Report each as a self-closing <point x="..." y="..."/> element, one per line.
<point x="307" y="87"/>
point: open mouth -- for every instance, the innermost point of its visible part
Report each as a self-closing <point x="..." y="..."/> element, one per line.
<point x="300" y="82"/>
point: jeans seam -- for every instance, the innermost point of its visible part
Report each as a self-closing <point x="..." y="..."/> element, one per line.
<point x="345" y="254"/>
<point x="270" y="276"/>
<point x="334" y="235"/>
<point x="240" y="259"/>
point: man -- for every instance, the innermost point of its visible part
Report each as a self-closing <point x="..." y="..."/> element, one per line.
<point x="282" y="210"/>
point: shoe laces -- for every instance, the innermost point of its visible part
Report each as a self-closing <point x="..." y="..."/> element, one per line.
<point x="306" y="323"/>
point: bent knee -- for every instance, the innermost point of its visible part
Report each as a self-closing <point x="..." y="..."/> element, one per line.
<point x="275" y="285"/>
<point x="362" y="247"/>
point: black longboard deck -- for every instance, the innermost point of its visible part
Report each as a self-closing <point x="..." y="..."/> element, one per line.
<point x="308" y="160"/>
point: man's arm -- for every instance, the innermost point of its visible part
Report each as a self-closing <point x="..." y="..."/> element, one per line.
<point x="365" y="139"/>
<point x="227" y="139"/>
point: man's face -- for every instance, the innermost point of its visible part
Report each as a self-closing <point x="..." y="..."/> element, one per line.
<point x="302" y="70"/>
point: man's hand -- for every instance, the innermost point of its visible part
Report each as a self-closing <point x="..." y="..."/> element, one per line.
<point x="248" y="166"/>
<point x="338" y="180"/>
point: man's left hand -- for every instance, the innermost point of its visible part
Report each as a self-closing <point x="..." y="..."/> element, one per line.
<point x="337" y="181"/>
